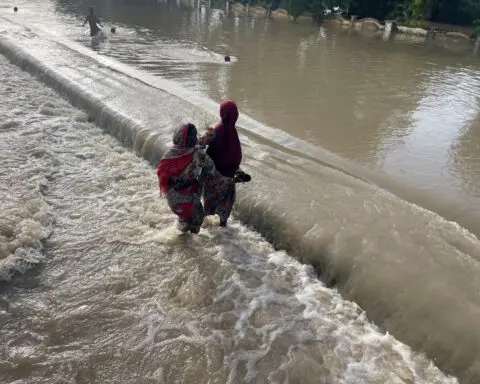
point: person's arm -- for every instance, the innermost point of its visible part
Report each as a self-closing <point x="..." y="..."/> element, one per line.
<point x="187" y="178"/>
<point x="209" y="137"/>
<point x="209" y="170"/>
<point x="85" y="22"/>
<point x="206" y="164"/>
<point x="98" y="22"/>
<point x="177" y="183"/>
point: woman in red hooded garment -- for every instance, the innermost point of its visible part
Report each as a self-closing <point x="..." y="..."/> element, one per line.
<point x="226" y="152"/>
<point x="180" y="174"/>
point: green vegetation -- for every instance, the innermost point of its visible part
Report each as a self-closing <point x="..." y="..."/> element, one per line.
<point x="414" y="13"/>
<point x="461" y="12"/>
<point x="413" y="23"/>
<point x="476" y="32"/>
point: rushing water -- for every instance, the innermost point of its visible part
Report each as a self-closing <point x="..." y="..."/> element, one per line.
<point x="116" y="301"/>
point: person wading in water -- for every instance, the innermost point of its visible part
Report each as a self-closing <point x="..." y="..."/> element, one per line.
<point x="93" y="21"/>
<point x="226" y="152"/>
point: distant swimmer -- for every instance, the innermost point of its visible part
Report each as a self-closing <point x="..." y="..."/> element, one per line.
<point x="93" y="21"/>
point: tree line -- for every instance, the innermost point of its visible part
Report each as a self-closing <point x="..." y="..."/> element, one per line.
<point x="414" y="12"/>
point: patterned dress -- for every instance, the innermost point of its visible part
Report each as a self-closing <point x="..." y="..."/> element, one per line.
<point x="181" y="173"/>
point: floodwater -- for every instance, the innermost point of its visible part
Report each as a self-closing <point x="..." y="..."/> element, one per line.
<point x="117" y="302"/>
<point x="98" y="287"/>
<point x="405" y="109"/>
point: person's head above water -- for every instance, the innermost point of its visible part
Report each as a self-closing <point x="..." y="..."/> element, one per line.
<point x="185" y="136"/>
<point x="229" y="113"/>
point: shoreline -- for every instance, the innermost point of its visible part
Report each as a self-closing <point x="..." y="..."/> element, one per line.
<point x="387" y="28"/>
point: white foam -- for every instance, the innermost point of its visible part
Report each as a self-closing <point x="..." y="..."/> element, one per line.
<point x="26" y="220"/>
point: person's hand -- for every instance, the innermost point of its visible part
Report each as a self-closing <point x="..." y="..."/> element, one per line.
<point x="172" y="180"/>
<point x="208" y="137"/>
<point x="182" y="184"/>
<point x="242" y="177"/>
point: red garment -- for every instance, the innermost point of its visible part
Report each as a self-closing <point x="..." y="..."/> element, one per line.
<point x="172" y="167"/>
<point x="177" y="157"/>
<point x="179" y="161"/>
<point x="226" y="151"/>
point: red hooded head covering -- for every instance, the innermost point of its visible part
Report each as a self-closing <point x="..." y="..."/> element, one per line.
<point x="225" y="150"/>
